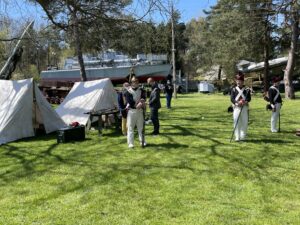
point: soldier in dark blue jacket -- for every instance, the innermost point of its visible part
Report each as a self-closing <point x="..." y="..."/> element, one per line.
<point x="276" y="102"/>
<point x="154" y="104"/>
<point x="240" y="98"/>
<point x="169" y="93"/>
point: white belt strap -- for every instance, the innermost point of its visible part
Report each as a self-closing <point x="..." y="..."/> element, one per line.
<point x="240" y="94"/>
<point x="136" y="94"/>
<point x="278" y="93"/>
<point x="154" y="90"/>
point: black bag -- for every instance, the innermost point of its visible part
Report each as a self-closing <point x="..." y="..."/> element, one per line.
<point x="124" y="112"/>
<point x="230" y="109"/>
<point x="269" y="107"/>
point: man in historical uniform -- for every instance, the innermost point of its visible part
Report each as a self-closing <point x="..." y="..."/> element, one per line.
<point x="154" y="104"/>
<point x="275" y="102"/>
<point x="135" y="98"/>
<point x="240" y="98"/>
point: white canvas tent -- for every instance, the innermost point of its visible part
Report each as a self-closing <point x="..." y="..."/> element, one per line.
<point x="22" y="109"/>
<point x="85" y="97"/>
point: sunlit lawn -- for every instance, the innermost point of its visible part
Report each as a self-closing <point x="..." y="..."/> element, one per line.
<point x="190" y="174"/>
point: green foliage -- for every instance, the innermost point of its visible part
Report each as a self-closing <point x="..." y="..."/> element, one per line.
<point x="48" y="40"/>
<point x="4" y="31"/>
<point x="198" y="55"/>
<point x="28" y="71"/>
<point x="235" y="35"/>
<point x="233" y="30"/>
<point x="136" y="38"/>
<point x="68" y="52"/>
<point x="146" y="37"/>
<point x="2" y="46"/>
<point x="190" y="174"/>
<point x="40" y="48"/>
<point x="33" y="71"/>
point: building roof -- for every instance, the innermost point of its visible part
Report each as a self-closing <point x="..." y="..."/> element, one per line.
<point x="254" y="67"/>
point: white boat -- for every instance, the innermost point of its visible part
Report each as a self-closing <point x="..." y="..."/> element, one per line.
<point x="115" y="68"/>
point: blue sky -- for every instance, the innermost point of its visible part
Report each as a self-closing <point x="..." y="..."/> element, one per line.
<point x="188" y="9"/>
<point x="21" y="10"/>
<point x="193" y="8"/>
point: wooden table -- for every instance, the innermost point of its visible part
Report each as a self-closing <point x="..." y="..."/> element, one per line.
<point x="99" y="114"/>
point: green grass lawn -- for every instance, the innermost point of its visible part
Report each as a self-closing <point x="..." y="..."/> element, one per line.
<point x="190" y="174"/>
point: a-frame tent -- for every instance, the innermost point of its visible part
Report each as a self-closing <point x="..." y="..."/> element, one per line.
<point x="85" y="97"/>
<point x="23" y="108"/>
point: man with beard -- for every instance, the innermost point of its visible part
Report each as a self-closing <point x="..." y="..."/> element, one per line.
<point x="135" y="98"/>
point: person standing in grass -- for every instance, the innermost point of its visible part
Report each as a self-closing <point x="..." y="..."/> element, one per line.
<point x="240" y="98"/>
<point x="275" y="102"/>
<point x="135" y="98"/>
<point x="154" y="104"/>
<point x="169" y="93"/>
<point x="122" y="107"/>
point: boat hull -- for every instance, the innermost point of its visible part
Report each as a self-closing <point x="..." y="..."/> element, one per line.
<point x="60" y="78"/>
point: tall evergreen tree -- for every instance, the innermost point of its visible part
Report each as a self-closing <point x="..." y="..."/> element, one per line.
<point x="236" y="30"/>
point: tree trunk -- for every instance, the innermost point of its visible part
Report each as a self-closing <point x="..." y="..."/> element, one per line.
<point x="288" y="73"/>
<point x="78" y="48"/>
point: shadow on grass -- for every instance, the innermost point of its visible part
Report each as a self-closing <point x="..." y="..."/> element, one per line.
<point x="167" y="146"/>
<point x="22" y="155"/>
<point x="235" y="160"/>
<point x="268" y="140"/>
<point x="26" y="162"/>
<point x="239" y="158"/>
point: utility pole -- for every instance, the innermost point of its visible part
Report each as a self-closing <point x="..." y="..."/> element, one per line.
<point x="266" y="56"/>
<point x="173" y="50"/>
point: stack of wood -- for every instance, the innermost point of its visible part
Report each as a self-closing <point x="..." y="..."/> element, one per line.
<point x="298" y="132"/>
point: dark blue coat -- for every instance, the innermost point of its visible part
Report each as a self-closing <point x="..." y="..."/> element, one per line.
<point x="154" y="100"/>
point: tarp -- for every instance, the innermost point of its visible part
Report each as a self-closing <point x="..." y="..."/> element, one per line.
<point x="22" y="109"/>
<point x="205" y="87"/>
<point x="86" y="97"/>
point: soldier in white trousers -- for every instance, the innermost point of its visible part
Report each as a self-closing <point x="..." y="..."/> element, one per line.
<point x="240" y="98"/>
<point x="135" y="98"/>
<point x="276" y="103"/>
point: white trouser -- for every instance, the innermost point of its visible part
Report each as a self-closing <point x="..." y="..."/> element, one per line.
<point x="275" y="117"/>
<point x="242" y="126"/>
<point x="134" y="118"/>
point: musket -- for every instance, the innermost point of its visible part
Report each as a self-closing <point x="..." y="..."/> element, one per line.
<point x="143" y="131"/>
<point x="248" y="92"/>
<point x="279" y="122"/>
<point x="12" y="61"/>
